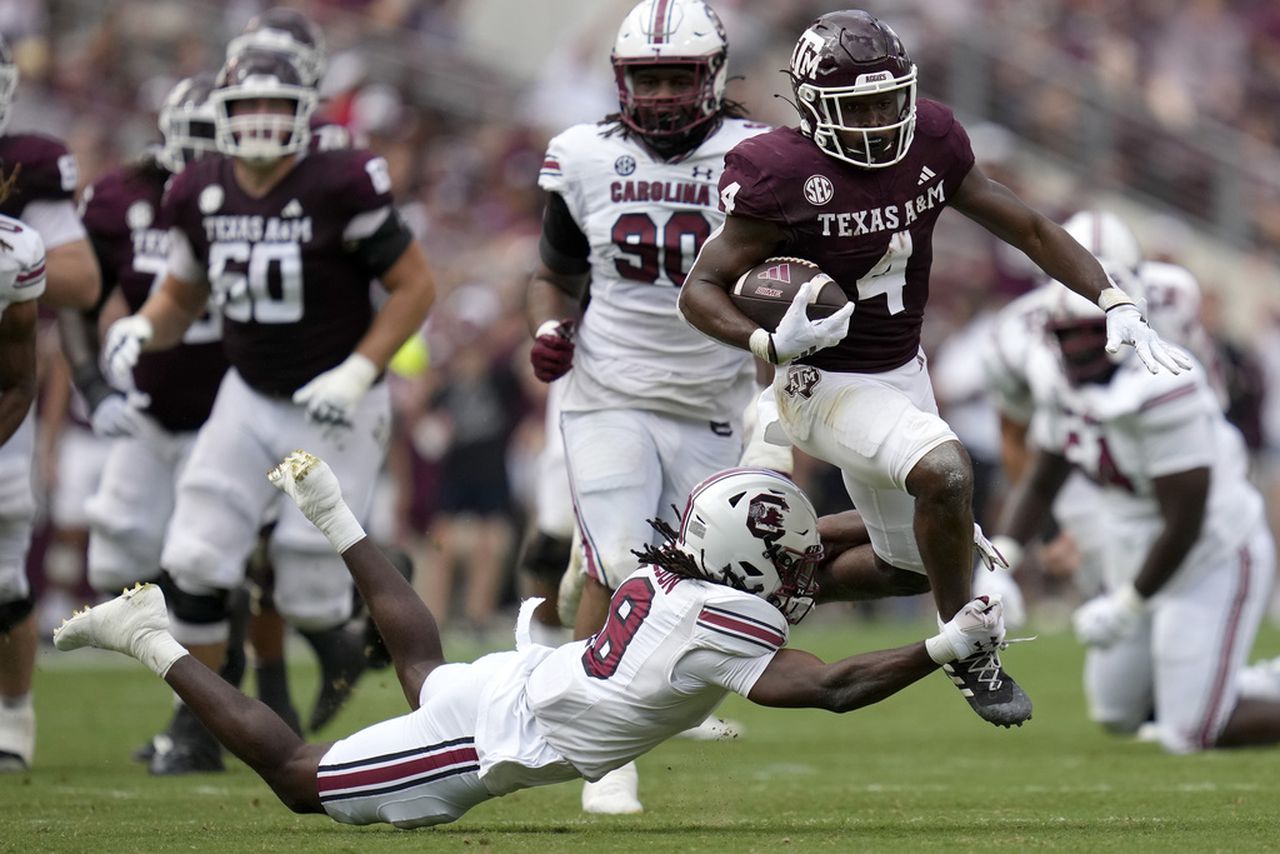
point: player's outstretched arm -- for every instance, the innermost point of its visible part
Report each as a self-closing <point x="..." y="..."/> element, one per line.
<point x="731" y="250"/>
<point x="407" y="626"/>
<point x="798" y="679"/>
<point x="74" y="279"/>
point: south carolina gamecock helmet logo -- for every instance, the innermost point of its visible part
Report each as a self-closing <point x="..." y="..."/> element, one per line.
<point x="764" y="516"/>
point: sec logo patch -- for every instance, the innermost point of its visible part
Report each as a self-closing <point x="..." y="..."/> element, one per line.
<point x="818" y="189"/>
<point x="210" y="199"/>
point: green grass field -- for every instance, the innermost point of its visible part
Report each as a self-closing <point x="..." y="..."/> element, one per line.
<point x="919" y="772"/>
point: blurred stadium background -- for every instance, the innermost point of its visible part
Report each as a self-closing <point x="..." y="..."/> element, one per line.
<point x="1167" y="111"/>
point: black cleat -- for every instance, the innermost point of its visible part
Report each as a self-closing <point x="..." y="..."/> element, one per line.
<point x="187" y="758"/>
<point x="342" y="662"/>
<point x="990" y="691"/>
<point x="12" y="763"/>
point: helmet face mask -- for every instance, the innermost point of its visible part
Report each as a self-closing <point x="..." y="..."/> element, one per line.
<point x="1078" y="329"/>
<point x="670" y="36"/>
<point x="187" y="123"/>
<point x="261" y="109"/>
<point x="756" y="531"/>
<point x="855" y="88"/>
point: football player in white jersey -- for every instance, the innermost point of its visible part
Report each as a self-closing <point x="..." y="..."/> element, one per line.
<point x="650" y="404"/>
<point x="22" y="281"/>
<point x="1172" y="297"/>
<point x="1187" y="558"/>
<point x="708" y="614"/>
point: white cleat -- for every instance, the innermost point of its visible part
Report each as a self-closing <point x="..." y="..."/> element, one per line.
<point x="118" y="625"/>
<point x="17" y="739"/>
<point x="713" y="729"/>
<point x="614" y="794"/>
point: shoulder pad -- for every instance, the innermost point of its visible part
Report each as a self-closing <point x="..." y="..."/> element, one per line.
<point x="739" y="624"/>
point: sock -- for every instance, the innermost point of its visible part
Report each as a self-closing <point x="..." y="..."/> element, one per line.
<point x="273" y="690"/>
<point x="158" y="652"/>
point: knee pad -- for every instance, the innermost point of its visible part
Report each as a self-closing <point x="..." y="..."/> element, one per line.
<point x="202" y="617"/>
<point x="545" y="556"/>
<point x="12" y="613"/>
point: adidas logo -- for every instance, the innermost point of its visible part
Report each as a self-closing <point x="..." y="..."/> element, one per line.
<point x="293" y="209"/>
<point x="777" y="273"/>
<point x="926" y="175"/>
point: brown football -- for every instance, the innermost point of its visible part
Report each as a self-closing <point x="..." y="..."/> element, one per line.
<point x="764" y="292"/>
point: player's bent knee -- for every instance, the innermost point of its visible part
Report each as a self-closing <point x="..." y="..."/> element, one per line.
<point x="945" y="474"/>
<point x="13" y="613"/>
<point x="115" y="563"/>
<point x="199" y="617"/>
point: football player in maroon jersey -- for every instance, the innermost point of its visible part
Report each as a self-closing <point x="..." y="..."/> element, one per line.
<point x="857" y="188"/>
<point x="287" y="246"/>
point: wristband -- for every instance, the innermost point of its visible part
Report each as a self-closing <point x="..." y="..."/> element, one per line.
<point x="1112" y="297"/>
<point x="761" y="345"/>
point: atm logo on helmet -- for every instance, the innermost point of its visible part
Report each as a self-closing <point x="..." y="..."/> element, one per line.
<point x="807" y="55"/>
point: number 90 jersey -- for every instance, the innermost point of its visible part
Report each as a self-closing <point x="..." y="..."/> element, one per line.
<point x="670" y="649"/>
<point x="869" y="229"/>
<point x="291" y="270"/>
<point x="645" y="220"/>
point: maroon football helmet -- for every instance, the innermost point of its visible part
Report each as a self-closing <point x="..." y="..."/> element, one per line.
<point x="855" y="88"/>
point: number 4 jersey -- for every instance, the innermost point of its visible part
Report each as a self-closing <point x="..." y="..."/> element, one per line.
<point x="291" y="269"/>
<point x="869" y="229"/>
<point x="645" y="220"/>
<point x="669" y="651"/>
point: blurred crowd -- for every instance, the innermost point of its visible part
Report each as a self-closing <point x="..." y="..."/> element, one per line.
<point x="1136" y="94"/>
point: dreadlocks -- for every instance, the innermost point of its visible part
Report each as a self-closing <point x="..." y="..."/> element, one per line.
<point x="674" y="146"/>
<point x="669" y="555"/>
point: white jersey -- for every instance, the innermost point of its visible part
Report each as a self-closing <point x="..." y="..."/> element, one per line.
<point x="1018" y="329"/>
<point x="22" y="274"/>
<point x="671" y="649"/>
<point x="646" y="220"/>
<point x="1134" y="429"/>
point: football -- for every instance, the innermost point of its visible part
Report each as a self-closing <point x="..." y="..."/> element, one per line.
<point x="764" y="292"/>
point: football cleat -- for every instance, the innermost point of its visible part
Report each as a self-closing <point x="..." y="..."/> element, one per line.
<point x="117" y="624"/>
<point x="17" y="738"/>
<point x="989" y="690"/>
<point x="187" y="758"/>
<point x="713" y="729"/>
<point x="613" y="794"/>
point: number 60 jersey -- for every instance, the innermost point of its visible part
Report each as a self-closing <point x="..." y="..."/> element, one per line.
<point x="291" y="270"/>
<point x="645" y="220"/>
<point x="869" y="229"/>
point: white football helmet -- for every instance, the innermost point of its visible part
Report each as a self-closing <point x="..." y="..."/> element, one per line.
<point x="187" y="123"/>
<point x="756" y="531"/>
<point x="671" y="32"/>
<point x="261" y="136"/>
<point x="287" y="31"/>
<point x="1107" y="238"/>
<point x="8" y="82"/>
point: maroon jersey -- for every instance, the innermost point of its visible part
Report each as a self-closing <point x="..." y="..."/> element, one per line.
<point x="48" y="171"/>
<point x="869" y="229"/>
<point x="292" y="269"/>
<point x="120" y="213"/>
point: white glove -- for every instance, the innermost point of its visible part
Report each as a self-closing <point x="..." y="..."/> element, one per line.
<point x="993" y="556"/>
<point x="332" y="397"/>
<point x="314" y="487"/>
<point x="120" y="414"/>
<point x="1000" y="584"/>
<point x="977" y="627"/>
<point x="1111" y="617"/>
<point x="797" y="336"/>
<point x="125" y="340"/>
<point x="1126" y="325"/>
